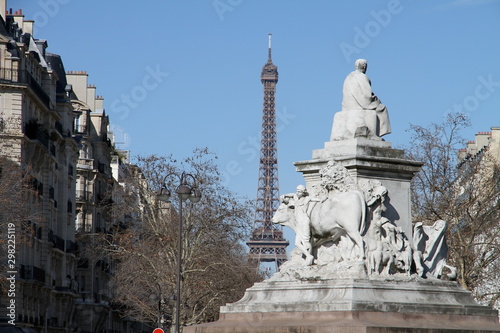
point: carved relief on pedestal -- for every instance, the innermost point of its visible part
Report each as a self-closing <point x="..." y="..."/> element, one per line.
<point x="341" y="230"/>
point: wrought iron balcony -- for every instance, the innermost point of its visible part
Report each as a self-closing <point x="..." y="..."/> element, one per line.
<point x="58" y="243"/>
<point x="71" y="247"/>
<point x="82" y="195"/>
<point x="32" y="273"/>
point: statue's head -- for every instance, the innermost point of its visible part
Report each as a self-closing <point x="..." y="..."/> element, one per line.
<point x="301" y="190"/>
<point x="361" y="65"/>
<point x="439" y="225"/>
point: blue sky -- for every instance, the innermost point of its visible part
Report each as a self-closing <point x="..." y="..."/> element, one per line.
<point x="191" y="69"/>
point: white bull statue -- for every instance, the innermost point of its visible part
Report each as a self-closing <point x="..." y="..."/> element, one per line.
<point x="344" y="211"/>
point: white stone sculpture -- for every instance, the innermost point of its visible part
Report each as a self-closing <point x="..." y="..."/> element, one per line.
<point x="344" y="225"/>
<point x="379" y="258"/>
<point x="335" y="178"/>
<point x="430" y="249"/>
<point x="379" y="255"/>
<point x="301" y="206"/>
<point x="336" y="215"/>
<point x="363" y="114"/>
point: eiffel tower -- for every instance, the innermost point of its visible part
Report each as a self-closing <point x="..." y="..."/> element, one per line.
<point x="267" y="243"/>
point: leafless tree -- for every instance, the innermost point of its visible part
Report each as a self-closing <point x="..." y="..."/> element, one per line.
<point x="464" y="192"/>
<point x="144" y="245"/>
<point x="18" y="215"/>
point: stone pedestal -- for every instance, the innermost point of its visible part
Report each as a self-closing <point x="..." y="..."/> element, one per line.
<point x="371" y="160"/>
<point x="354" y="305"/>
<point x="345" y="322"/>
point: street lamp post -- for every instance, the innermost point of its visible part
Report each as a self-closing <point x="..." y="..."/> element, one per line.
<point x="160" y="307"/>
<point x="185" y="191"/>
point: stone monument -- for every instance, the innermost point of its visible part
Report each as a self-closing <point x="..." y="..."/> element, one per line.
<point x="359" y="264"/>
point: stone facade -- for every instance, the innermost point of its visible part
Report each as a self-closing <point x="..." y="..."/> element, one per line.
<point x="54" y="126"/>
<point x="483" y="141"/>
<point x="484" y="150"/>
<point x="37" y="123"/>
<point x="94" y="183"/>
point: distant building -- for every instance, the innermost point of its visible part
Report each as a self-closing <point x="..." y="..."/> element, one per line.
<point x="483" y="141"/>
<point x="480" y="162"/>
<point x="94" y="185"/>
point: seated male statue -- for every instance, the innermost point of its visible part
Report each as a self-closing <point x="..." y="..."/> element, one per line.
<point x="357" y="96"/>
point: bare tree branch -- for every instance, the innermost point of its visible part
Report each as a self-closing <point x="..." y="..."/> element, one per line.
<point x="466" y="194"/>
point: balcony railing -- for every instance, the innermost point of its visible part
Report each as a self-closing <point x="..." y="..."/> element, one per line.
<point x="37" y="186"/>
<point x="83" y="263"/>
<point x="71" y="247"/>
<point x="32" y="273"/>
<point x="59" y="127"/>
<point x="21" y="76"/>
<point x="53" y="322"/>
<point x="10" y="75"/>
<point x="58" y="243"/>
<point x="52" y="149"/>
<point x="80" y="129"/>
<point x="101" y="167"/>
<point x="35" y="131"/>
<point x="81" y="195"/>
<point x="30" y="320"/>
<point x="85" y="163"/>
<point x="50" y="236"/>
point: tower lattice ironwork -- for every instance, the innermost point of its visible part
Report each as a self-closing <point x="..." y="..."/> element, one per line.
<point x="267" y="243"/>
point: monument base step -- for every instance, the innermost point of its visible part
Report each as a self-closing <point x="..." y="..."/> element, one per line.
<point x="402" y="294"/>
<point x="401" y="304"/>
<point x="346" y="322"/>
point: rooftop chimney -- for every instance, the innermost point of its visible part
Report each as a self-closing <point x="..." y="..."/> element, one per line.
<point x="28" y="26"/>
<point x="18" y="17"/>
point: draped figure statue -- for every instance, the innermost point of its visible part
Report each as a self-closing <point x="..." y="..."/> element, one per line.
<point x="357" y="94"/>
